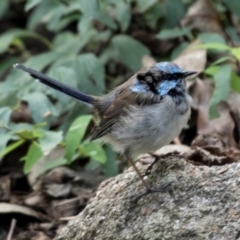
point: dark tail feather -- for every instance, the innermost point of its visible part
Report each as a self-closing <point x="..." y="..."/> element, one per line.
<point x="57" y="85"/>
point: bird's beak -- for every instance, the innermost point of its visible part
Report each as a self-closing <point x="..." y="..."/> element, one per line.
<point x="186" y="74"/>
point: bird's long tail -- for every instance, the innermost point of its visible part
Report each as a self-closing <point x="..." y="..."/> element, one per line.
<point x="52" y="83"/>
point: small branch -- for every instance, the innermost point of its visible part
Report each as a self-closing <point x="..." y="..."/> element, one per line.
<point x="177" y="141"/>
<point x="11" y="230"/>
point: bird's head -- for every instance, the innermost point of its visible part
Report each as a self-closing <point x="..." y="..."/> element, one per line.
<point x="161" y="78"/>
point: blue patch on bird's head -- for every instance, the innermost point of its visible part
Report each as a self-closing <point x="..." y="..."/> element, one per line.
<point x="138" y="87"/>
<point x="163" y="89"/>
<point x="159" y="79"/>
<point x="166" y="86"/>
<point x="168" y="67"/>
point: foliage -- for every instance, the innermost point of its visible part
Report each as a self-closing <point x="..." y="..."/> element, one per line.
<point x="221" y="71"/>
<point x="85" y="44"/>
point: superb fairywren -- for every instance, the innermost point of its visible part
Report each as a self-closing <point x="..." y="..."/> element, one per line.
<point x="140" y="116"/>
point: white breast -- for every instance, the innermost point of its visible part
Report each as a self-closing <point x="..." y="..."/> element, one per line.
<point x="146" y="129"/>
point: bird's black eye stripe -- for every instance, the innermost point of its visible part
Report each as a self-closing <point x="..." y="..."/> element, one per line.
<point x="171" y="77"/>
<point x="141" y="77"/>
<point x="150" y="78"/>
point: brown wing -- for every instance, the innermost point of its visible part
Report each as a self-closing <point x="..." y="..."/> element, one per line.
<point x="111" y="115"/>
<point x="114" y="105"/>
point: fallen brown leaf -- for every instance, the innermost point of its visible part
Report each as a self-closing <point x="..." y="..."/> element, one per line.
<point x="224" y="125"/>
<point x="201" y="92"/>
<point x="211" y="150"/>
<point x="8" y="208"/>
<point x="40" y="236"/>
<point x="157" y="46"/>
<point x="203" y="17"/>
<point x="192" y="58"/>
<point x="66" y="208"/>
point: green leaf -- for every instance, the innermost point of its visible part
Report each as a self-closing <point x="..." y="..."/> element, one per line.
<point x="33" y="155"/>
<point x="8" y="37"/>
<point x="31" y="4"/>
<point x="42" y="60"/>
<point x="174" y="33"/>
<point x="50" y="140"/>
<point x="103" y="17"/>
<point x="127" y="50"/>
<point x="232" y="33"/>
<point x="54" y="17"/>
<point x="50" y="164"/>
<point x="222" y="60"/>
<point x="76" y="111"/>
<point x="29" y="134"/>
<point x="110" y="167"/>
<point x="75" y="135"/>
<point x="123" y="14"/>
<point x="42" y="13"/>
<point x="11" y="147"/>
<point x="4" y="7"/>
<point x="70" y="44"/>
<point x="211" y="38"/>
<point x="178" y="50"/>
<point x="18" y="79"/>
<point x="222" y="88"/>
<point x="102" y="36"/>
<point x="214" y="46"/>
<point x="38" y="133"/>
<point x="90" y="11"/>
<point x="143" y="5"/>
<point x="40" y="106"/>
<point x="18" y="127"/>
<point x="85" y="24"/>
<point x="175" y="11"/>
<point x="94" y="150"/>
<point x="7" y="63"/>
<point x="40" y="125"/>
<point x="65" y="21"/>
<point x="235" y="82"/>
<point x="211" y="70"/>
<point x="5" y="113"/>
<point x="64" y="75"/>
<point x="233" y="6"/>
<point x="153" y="14"/>
<point x="90" y="72"/>
<point x="90" y="8"/>
<point x="5" y="137"/>
<point x="236" y="53"/>
<point x="92" y="165"/>
<point x="6" y="90"/>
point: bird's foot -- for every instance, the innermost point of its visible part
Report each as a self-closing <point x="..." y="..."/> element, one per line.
<point x="156" y="159"/>
<point x="150" y="190"/>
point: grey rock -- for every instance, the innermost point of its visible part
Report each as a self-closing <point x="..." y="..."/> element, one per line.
<point x="201" y="203"/>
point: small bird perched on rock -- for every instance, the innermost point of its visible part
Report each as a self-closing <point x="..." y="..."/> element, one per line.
<point x="140" y="116"/>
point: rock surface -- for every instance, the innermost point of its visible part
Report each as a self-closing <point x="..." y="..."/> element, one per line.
<point x="201" y="203"/>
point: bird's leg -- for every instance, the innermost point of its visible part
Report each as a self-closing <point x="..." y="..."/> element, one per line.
<point x="138" y="173"/>
<point x="156" y="158"/>
<point x="145" y="183"/>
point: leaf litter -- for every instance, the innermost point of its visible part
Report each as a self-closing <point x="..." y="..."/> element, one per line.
<point x="42" y="204"/>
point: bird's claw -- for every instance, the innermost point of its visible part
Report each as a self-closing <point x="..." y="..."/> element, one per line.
<point x="150" y="190"/>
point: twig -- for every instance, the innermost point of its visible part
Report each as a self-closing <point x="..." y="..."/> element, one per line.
<point x="177" y="141"/>
<point x="67" y="218"/>
<point x="12" y="227"/>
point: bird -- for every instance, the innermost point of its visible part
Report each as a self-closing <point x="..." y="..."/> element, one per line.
<point x="141" y="115"/>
